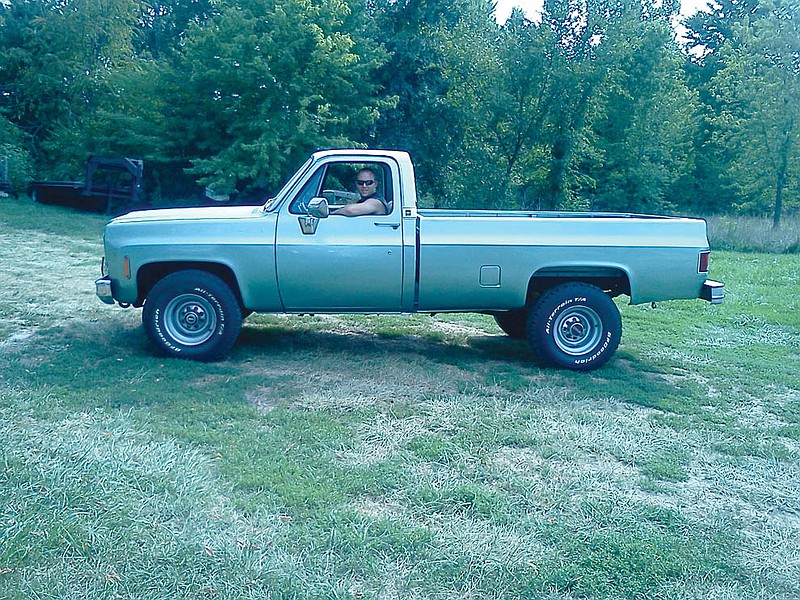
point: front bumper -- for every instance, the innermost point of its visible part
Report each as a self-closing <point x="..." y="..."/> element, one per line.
<point x="103" y="290"/>
<point x="713" y="291"/>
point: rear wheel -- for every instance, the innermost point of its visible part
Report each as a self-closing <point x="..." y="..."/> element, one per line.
<point x="192" y="314"/>
<point x="574" y="326"/>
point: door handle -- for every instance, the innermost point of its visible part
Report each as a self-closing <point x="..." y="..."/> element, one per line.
<point x="392" y="225"/>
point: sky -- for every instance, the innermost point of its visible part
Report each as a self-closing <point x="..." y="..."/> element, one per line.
<point x="532" y="7"/>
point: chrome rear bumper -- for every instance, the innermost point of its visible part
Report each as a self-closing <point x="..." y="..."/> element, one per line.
<point x="713" y="291"/>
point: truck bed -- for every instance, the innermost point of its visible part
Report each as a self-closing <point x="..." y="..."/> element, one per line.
<point x="515" y="244"/>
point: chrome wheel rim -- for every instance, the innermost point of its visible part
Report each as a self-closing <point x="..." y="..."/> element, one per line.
<point x="190" y="319"/>
<point x="577" y="331"/>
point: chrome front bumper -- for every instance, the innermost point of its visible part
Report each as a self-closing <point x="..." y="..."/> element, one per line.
<point x="103" y="290"/>
<point x="713" y="291"/>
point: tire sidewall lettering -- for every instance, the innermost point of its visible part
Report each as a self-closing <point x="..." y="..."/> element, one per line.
<point x="166" y="340"/>
<point x="220" y="311"/>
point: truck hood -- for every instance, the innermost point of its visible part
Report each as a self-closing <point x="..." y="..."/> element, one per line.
<point x="205" y="213"/>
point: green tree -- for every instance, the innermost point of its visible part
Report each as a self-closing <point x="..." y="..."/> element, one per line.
<point x="500" y="92"/>
<point x="706" y="33"/>
<point x="162" y="24"/>
<point x="420" y="120"/>
<point x="644" y="131"/>
<point x="257" y="86"/>
<point x="15" y="159"/>
<point x="587" y="107"/>
<point x="708" y="30"/>
<point x="759" y="93"/>
<point x="580" y="70"/>
<point x="621" y="135"/>
<point x="59" y="56"/>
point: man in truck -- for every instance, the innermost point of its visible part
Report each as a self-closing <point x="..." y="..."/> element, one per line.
<point x="370" y="202"/>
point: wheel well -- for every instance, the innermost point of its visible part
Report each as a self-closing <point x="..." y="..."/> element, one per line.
<point x="150" y="274"/>
<point x="613" y="281"/>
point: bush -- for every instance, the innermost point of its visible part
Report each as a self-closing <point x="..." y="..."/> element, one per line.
<point x="15" y="160"/>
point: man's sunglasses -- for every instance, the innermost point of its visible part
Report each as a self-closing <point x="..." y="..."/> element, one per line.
<point x="365" y="181"/>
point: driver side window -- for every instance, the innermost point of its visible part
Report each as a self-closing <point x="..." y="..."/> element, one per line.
<point x="337" y="183"/>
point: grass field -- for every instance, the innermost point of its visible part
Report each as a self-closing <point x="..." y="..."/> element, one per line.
<point x="755" y="234"/>
<point x="392" y="457"/>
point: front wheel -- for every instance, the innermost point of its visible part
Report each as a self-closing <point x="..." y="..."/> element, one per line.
<point x="574" y="326"/>
<point x="192" y="314"/>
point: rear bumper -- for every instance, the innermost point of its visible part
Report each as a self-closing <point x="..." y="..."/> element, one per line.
<point x="713" y="291"/>
<point x="103" y="290"/>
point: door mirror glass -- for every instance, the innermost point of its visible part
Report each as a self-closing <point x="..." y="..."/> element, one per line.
<point x="318" y="207"/>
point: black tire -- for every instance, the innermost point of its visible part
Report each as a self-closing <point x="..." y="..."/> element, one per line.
<point x="513" y="323"/>
<point x="574" y="326"/>
<point x="192" y="314"/>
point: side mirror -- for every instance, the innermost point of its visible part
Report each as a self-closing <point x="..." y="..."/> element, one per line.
<point x="318" y="207"/>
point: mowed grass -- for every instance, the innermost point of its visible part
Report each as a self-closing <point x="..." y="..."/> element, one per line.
<point x="392" y="456"/>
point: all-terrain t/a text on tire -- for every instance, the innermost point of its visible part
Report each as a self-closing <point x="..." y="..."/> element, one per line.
<point x="574" y="326"/>
<point x="192" y="314"/>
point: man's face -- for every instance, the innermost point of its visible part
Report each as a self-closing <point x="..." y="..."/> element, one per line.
<point x="366" y="183"/>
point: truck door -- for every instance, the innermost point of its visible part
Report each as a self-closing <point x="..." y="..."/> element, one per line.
<point x="341" y="263"/>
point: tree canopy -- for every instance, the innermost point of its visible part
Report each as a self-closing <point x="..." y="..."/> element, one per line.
<point x="594" y="105"/>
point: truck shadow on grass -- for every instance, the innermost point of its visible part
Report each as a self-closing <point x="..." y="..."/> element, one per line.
<point x="362" y="343"/>
<point x="113" y="364"/>
<point x="493" y="359"/>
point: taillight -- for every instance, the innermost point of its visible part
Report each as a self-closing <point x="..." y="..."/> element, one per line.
<point x="703" y="266"/>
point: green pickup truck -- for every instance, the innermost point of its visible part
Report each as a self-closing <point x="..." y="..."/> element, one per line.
<point x="548" y="277"/>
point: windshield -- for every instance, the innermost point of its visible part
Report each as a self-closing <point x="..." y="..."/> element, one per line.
<point x="273" y="202"/>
